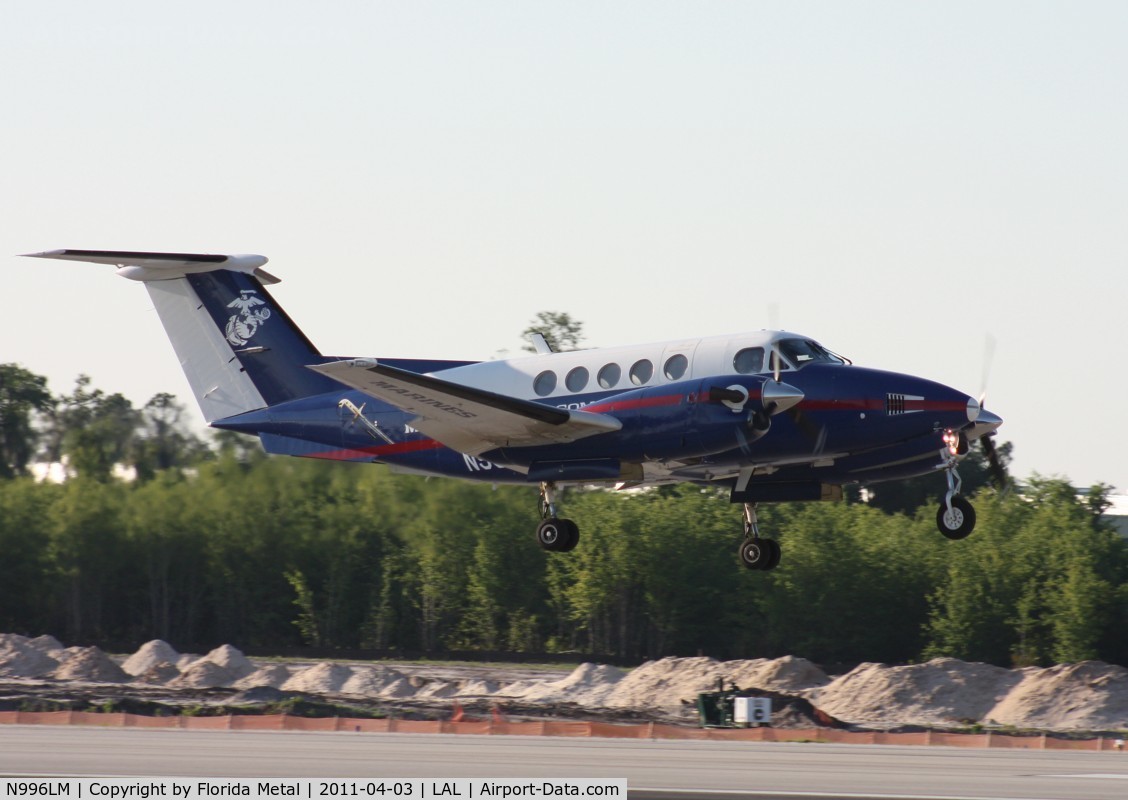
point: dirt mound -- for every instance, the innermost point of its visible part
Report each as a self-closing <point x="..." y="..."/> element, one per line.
<point x="478" y="688"/>
<point x="204" y="674"/>
<point x="398" y="689"/>
<point x="272" y="676"/>
<point x="149" y="655"/>
<point x="666" y="683"/>
<point x="90" y="665"/>
<point x="18" y="659"/>
<point x="370" y="681"/>
<point x="232" y="660"/>
<point x="323" y="678"/>
<point x="262" y="694"/>
<point x="48" y="645"/>
<point x="587" y="685"/>
<point x="437" y="689"/>
<point x="674" y="683"/>
<point x="786" y="674"/>
<point x="944" y="691"/>
<point x="1089" y="696"/>
<point x="159" y="673"/>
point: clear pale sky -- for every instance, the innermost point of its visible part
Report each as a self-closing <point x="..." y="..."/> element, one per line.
<point x="897" y="180"/>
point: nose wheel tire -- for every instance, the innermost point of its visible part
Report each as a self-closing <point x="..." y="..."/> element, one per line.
<point x="957" y="522"/>
<point x="761" y="554"/>
<point x="558" y="535"/>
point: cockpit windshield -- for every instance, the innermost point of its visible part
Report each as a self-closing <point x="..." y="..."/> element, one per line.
<point x="801" y="352"/>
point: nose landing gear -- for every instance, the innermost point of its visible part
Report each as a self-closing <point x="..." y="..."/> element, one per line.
<point x="554" y="534"/>
<point x="956" y="517"/>
<point x="757" y="553"/>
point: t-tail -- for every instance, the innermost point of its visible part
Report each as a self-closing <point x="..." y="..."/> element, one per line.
<point x="239" y="349"/>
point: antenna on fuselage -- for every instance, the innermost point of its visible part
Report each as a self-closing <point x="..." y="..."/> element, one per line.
<point x="540" y="343"/>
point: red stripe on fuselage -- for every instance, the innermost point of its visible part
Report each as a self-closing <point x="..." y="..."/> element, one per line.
<point x="379" y="450"/>
<point x="877" y="404"/>
<point x="628" y="405"/>
<point x="935" y="405"/>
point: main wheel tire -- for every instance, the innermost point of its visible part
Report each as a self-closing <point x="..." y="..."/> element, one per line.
<point x="551" y="534"/>
<point x="776" y="553"/>
<point x="558" y="535"/>
<point x="573" y="531"/>
<point x="755" y="553"/>
<point x="957" y="523"/>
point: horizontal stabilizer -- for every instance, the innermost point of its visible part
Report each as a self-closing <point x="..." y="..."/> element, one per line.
<point x="140" y="266"/>
<point x="465" y="418"/>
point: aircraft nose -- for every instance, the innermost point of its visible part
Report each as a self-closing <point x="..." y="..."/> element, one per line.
<point x="780" y="396"/>
<point x="984" y="423"/>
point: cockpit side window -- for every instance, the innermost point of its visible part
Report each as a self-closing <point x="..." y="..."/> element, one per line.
<point x="800" y="352"/>
<point x="749" y="361"/>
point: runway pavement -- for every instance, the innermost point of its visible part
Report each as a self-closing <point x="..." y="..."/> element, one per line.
<point x="654" y="769"/>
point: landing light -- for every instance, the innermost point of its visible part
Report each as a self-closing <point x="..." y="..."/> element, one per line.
<point x="956" y="442"/>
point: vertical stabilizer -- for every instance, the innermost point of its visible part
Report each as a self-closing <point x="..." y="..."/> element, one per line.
<point x="239" y="349"/>
<point x="219" y="383"/>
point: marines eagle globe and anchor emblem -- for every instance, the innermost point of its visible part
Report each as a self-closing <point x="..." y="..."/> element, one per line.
<point x="243" y="326"/>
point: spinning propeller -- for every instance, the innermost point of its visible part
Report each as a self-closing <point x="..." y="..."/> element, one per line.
<point x="995" y="465"/>
<point x="776" y="397"/>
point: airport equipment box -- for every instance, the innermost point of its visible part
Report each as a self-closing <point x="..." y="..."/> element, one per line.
<point x="752" y="710"/>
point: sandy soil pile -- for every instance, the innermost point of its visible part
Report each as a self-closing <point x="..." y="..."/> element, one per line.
<point x="203" y="674"/>
<point x="150" y="655"/>
<point x="944" y="692"/>
<point x="1086" y="696"/>
<point x="674" y="683"/>
<point x="272" y="676"/>
<point x="323" y="678"/>
<point x="48" y="645"/>
<point x="19" y="658"/>
<point x="162" y="672"/>
<point x="588" y="685"/>
<point x="786" y="674"/>
<point x="89" y="665"/>
<point x="222" y="667"/>
<point x="231" y="660"/>
<point x="371" y="681"/>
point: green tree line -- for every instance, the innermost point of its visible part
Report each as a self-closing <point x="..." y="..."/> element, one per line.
<point x="221" y="544"/>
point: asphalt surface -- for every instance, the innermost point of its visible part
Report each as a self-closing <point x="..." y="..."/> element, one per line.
<point x="654" y="769"/>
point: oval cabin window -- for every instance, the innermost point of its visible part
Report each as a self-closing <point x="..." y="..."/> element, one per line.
<point x="609" y="376"/>
<point x="577" y="379"/>
<point x="545" y="383"/>
<point x="675" y="366"/>
<point x="641" y="372"/>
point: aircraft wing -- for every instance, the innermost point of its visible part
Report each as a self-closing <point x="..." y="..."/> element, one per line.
<point x="464" y="418"/>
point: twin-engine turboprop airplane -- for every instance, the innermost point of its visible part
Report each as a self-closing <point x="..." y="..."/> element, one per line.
<point x="767" y="416"/>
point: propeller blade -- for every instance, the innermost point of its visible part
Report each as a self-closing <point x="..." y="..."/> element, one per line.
<point x="988" y="360"/>
<point x="998" y="471"/>
<point x="814" y="432"/>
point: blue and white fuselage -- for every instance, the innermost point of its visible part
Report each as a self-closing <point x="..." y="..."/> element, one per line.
<point x="766" y="415"/>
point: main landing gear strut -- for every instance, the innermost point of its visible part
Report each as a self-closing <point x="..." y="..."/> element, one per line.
<point x="956" y="517"/>
<point x="755" y="552"/>
<point x="555" y="534"/>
